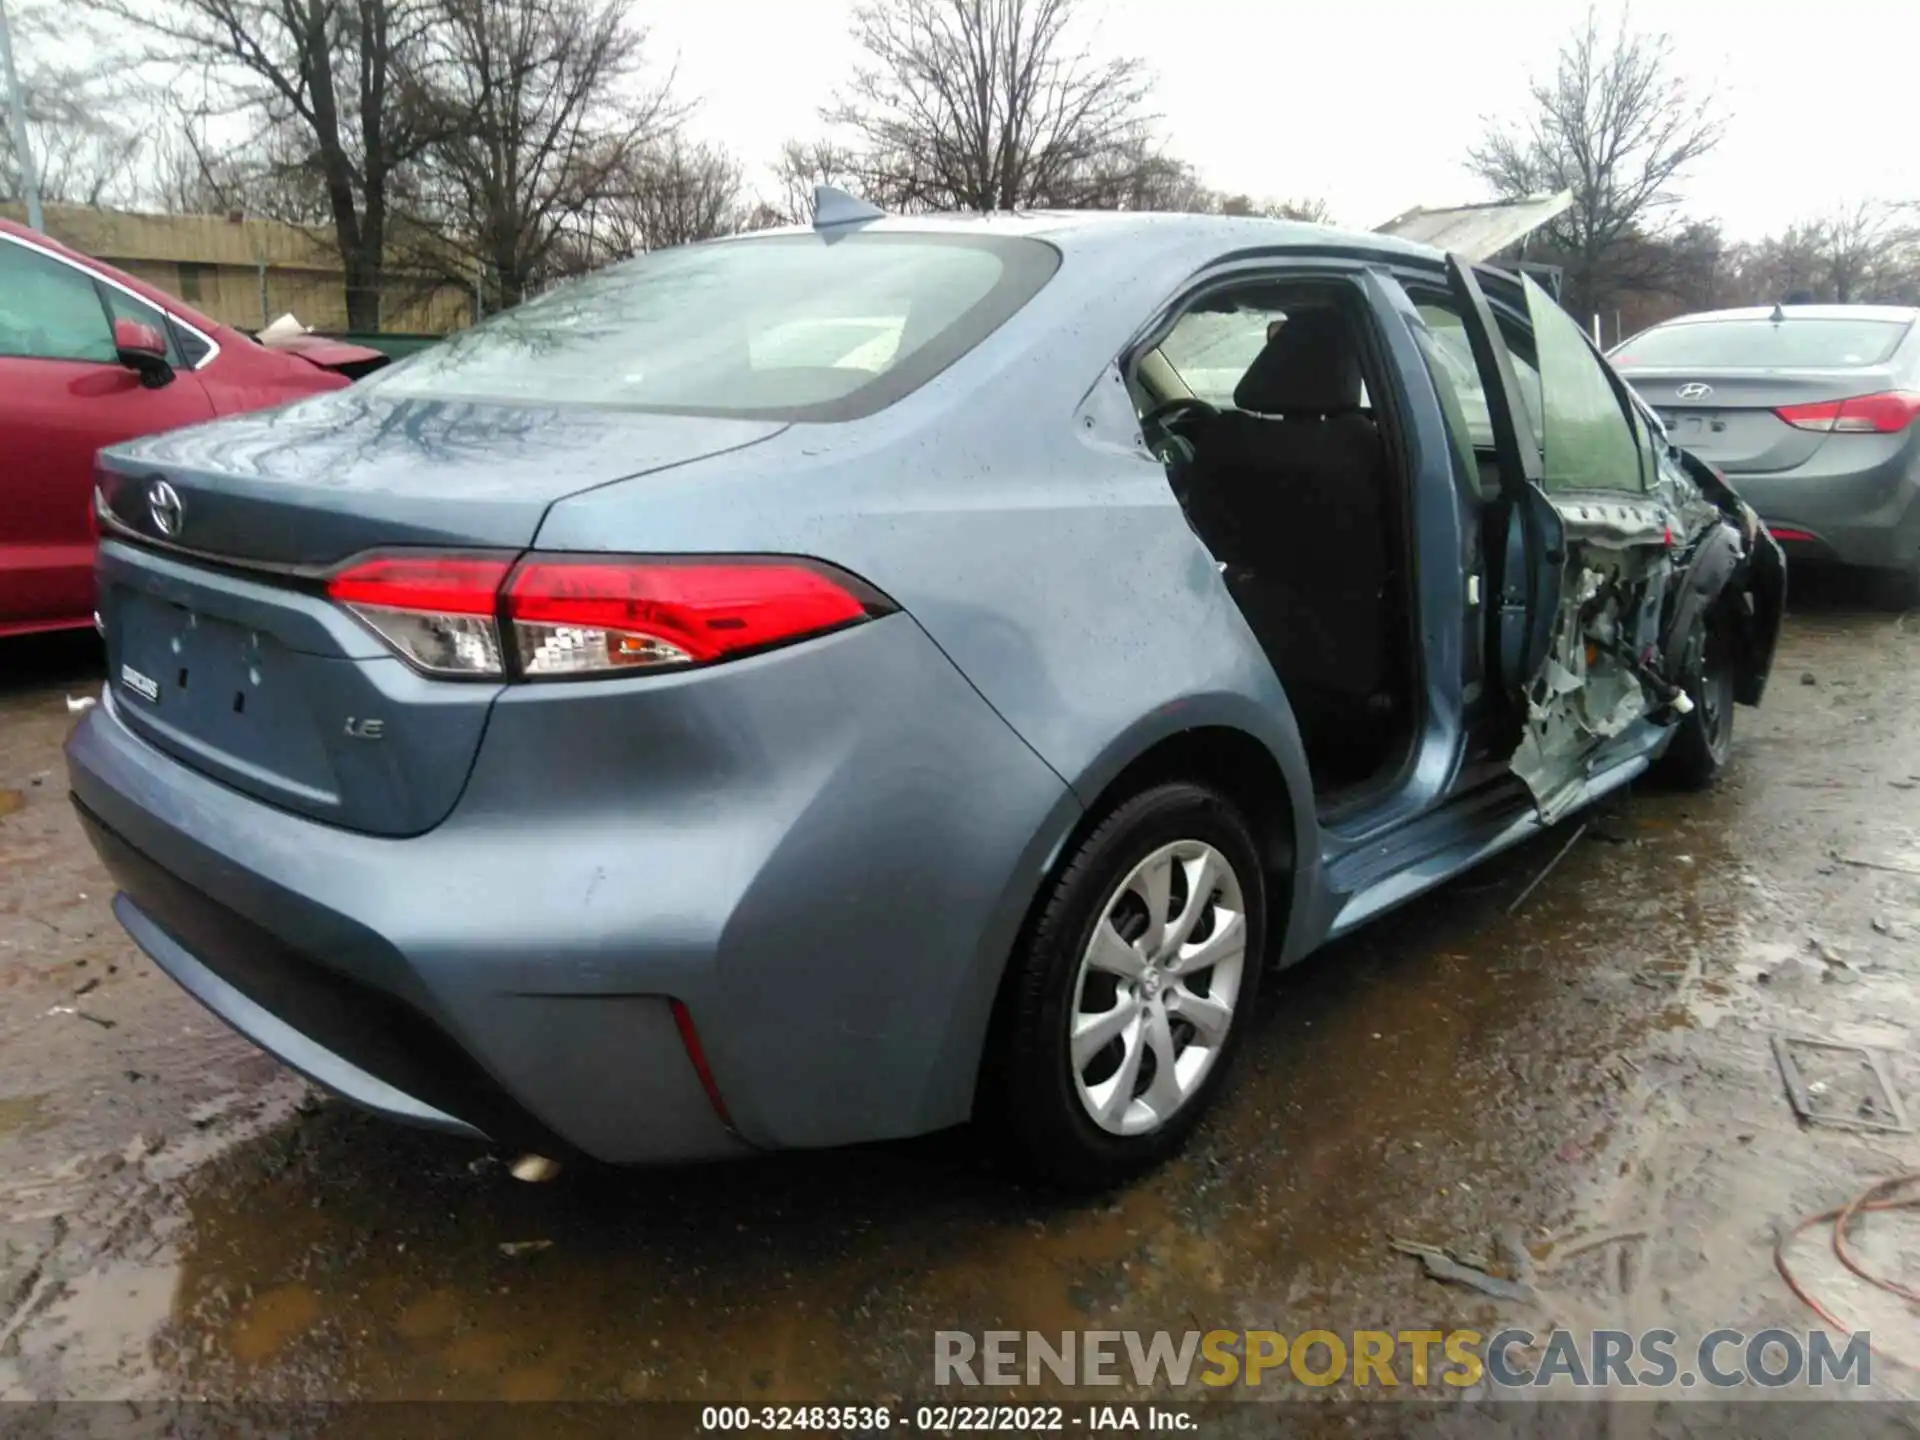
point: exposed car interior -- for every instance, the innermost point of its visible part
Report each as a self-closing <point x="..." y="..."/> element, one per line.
<point x="1257" y="400"/>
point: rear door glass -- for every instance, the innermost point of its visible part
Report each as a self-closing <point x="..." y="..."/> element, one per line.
<point x="1587" y="440"/>
<point x="1449" y="332"/>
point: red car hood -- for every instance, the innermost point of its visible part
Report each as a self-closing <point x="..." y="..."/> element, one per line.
<point x="334" y="355"/>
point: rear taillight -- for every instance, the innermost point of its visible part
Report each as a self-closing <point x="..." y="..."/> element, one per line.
<point x="437" y="611"/>
<point x="585" y="614"/>
<point x="1883" y="414"/>
<point x="579" y="616"/>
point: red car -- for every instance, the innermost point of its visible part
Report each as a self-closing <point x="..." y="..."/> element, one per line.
<point x="89" y="357"/>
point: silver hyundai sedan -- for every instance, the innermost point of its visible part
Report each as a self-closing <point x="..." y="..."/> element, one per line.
<point x="1811" y="411"/>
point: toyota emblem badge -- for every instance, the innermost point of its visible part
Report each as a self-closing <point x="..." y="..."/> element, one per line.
<point x="163" y="505"/>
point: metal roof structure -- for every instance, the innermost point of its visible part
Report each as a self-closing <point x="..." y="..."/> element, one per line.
<point x="1481" y="231"/>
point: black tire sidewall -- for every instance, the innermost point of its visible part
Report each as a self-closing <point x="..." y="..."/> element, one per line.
<point x="1693" y="761"/>
<point x="1039" y="1099"/>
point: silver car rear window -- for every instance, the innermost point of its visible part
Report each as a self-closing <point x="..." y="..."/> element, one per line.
<point x="792" y="327"/>
<point x="1765" y="344"/>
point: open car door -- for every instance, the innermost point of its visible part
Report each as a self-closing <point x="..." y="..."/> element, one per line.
<point x="1524" y="537"/>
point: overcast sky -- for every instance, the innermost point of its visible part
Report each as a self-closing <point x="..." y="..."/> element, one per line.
<point x="1370" y="104"/>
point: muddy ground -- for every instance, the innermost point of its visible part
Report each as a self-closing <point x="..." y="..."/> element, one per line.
<point x="179" y="1216"/>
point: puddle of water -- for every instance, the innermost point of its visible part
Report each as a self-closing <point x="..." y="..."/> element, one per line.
<point x="1420" y="1079"/>
<point x="270" y="1321"/>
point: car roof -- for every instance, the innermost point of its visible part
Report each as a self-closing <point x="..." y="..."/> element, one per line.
<point x="1072" y="231"/>
<point x="1897" y="313"/>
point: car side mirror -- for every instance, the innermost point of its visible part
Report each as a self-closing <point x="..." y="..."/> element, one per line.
<point x="143" y="350"/>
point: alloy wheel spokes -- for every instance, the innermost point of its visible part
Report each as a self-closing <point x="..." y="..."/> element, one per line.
<point x="1153" y="1001"/>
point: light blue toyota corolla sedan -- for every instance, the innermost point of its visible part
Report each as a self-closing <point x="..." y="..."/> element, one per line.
<point x="834" y="684"/>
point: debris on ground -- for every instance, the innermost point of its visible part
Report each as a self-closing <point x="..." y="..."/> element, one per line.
<point x="1474" y="1274"/>
<point x="1559" y="855"/>
<point x="1853" y="1089"/>
<point x="1860" y="864"/>
<point x="1881" y="1195"/>
<point x="525" y="1247"/>
<point x="204" y="1114"/>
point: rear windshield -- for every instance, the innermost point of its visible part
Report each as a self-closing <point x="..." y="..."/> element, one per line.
<point x="788" y="327"/>
<point x="1765" y="344"/>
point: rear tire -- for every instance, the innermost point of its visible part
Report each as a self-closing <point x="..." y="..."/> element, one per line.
<point x="1114" y="1031"/>
<point x="1703" y="740"/>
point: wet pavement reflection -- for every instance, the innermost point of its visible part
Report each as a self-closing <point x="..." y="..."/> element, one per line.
<point x="1451" y="1070"/>
<point x="1399" y="1078"/>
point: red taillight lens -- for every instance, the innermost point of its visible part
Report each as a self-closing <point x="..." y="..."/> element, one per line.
<point x="1884" y="414"/>
<point x="577" y="616"/>
<point x="446" y="584"/>
<point x="583" y="615"/>
<point x="436" y="610"/>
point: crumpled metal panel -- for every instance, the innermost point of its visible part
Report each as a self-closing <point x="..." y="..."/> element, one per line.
<point x="1478" y="231"/>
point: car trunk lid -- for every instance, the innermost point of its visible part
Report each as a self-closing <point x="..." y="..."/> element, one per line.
<point x="1730" y="418"/>
<point x="307" y="486"/>
<point x="224" y="650"/>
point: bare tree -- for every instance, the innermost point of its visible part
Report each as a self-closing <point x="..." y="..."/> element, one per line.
<point x="679" y="193"/>
<point x="328" y="86"/>
<point x="1869" y="248"/>
<point x="986" y="105"/>
<point x="1136" y="175"/>
<point x="1310" y="209"/>
<point x="1617" y="127"/>
<point x="544" y="120"/>
<point x="804" y="164"/>
<point x="271" y="176"/>
<point x="85" y="147"/>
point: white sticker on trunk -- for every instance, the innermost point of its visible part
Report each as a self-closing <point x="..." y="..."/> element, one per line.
<point x="145" y="686"/>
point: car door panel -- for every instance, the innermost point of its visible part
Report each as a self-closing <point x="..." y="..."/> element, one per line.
<point x="1603" y="683"/>
<point x="1525" y="536"/>
<point x="63" y="395"/>
<point x="54" y="416"/>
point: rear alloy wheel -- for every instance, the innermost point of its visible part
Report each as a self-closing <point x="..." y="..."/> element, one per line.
<point x="1704" y="738"/>
<point x="1132" y="992"/>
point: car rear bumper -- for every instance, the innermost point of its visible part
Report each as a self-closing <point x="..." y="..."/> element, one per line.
<point x="829" y="881"/>
<point x="1865" y="517"/>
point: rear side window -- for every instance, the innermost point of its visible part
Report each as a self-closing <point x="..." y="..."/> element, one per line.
<point x="787" y="327"/>
<point x="49" y="311"/>
<point x="1587" y="439"/>
<point x="1764" y="344"/>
